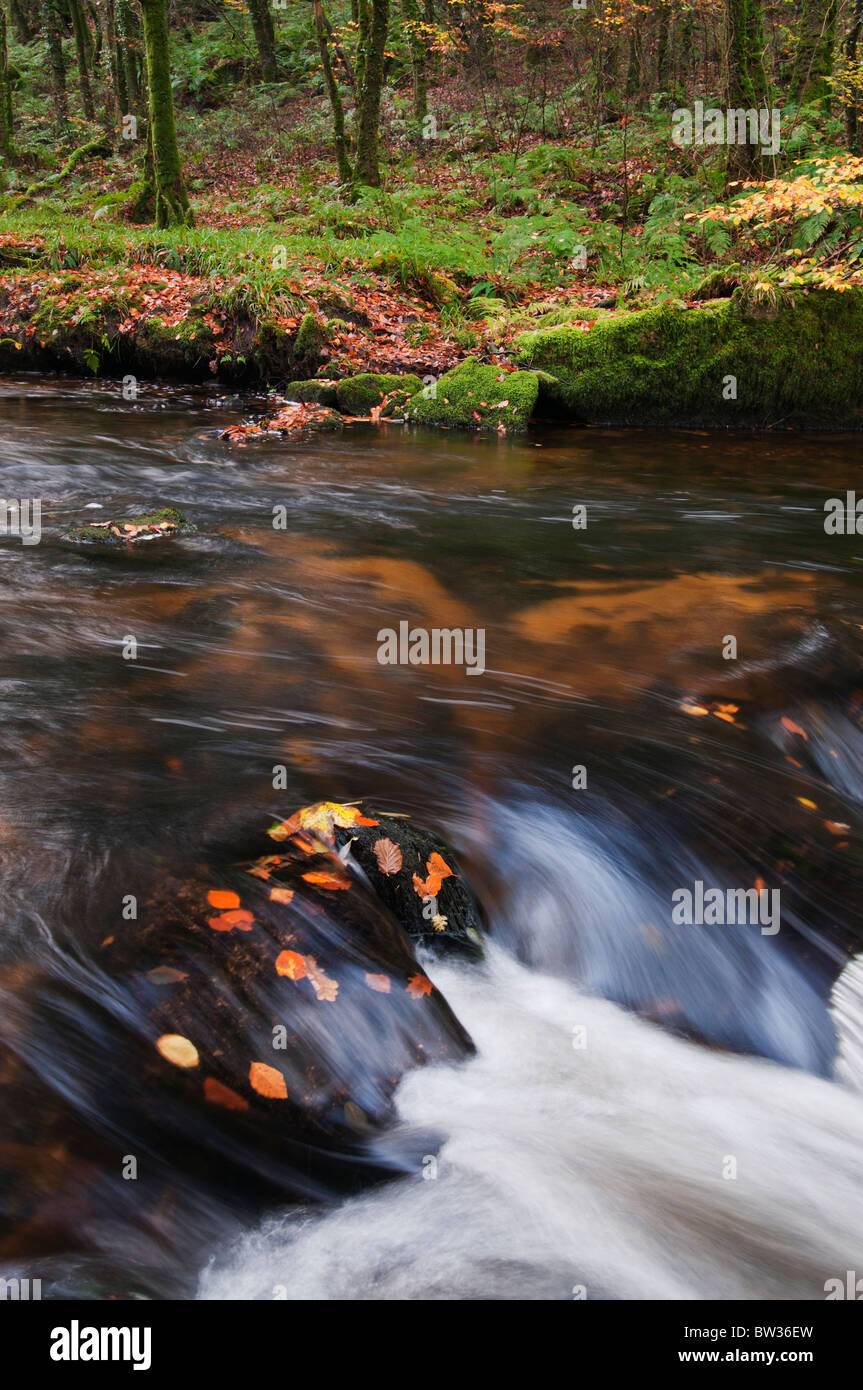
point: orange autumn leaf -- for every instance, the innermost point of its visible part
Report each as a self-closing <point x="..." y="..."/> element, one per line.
<point x="388" y="855"/>
<point x="381" y="983"/>
<point x="223" y="897"/>
<point x="223" y="1095"/>
<point x="792" y="727"/>
<point x="438" y="870"/>
<point x="836" y="827"/>
<point x="178" y="1050"/>
<point x="292" y="964"/>
<point x="267" y="1081"/>
<point x="418" y="986"/>
<point x="810" y="805"/>
<point x="227" y="921"/>
<point x="281" y="895"/>
<point x="321" y="879"/>
<point x="325" y="988"/>
<point x="320" y="820"/>
<point x="694" y="709"/>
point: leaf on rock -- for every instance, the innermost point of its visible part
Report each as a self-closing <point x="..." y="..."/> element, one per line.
<point x="438" y="870"/>
<point x="178" y="1050"/>
<point x="325" y="988"/>
<point x="322" y="879"/>
<point x="388" y="855"/>
<point x="418" y="986"/>
<point x="281" y="895"/>
<point x="165" y="975"/>
<point x="223" y="898"/>
<point x="228" y="921"/>
<point x="292" y="964"/>
<point x="267" y="1081"/>
<point x="223" y="1095"/>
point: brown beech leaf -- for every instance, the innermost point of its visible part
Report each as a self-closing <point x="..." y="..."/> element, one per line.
<point x="388" y="855"/>
<point x="325" y="988"/>
<point x="418" y="986"/>
<point x="792" y="727"/>
<point x="227" y="921"/>
<point x="281" y="895"/>
<point x="267" y="1081"/>
<point x="292" y="964"/>
<point x="177" y="1049"/>
<point x="381" y="983"/>
<point x="223" y="1095"/>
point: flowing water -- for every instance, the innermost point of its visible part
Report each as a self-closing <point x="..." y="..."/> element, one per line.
<point x="653" y="1110"/>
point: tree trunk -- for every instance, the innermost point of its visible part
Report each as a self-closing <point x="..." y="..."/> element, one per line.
<point x="5" y="95"/>
<point x="813" y="63"/>
<point x="741" y="92"/>
<point x="416" y="45"/>
<point x="56" y="64"/>
<point x="854" y="94"/>
<point x="265" y="38"/>
<point x="374" y="29"/>
<point x="172" y="201"/>
<point x="79" y="25"/>
<point x="335" y="96"/>
<point x="20" y="21"/>
<point x="129" y="53"/>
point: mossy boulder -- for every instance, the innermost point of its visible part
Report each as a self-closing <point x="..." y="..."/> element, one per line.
<point x="163" y="524"/>
<point x="312" y="337"/>
<point x="474" y="396"/>
<point x="317" y="391"/>
<point x="794" y="361"/>
<point x="358" y="395"/>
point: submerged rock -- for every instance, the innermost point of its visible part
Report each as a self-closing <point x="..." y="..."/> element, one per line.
<point x="796" y="360"/>
<point x="162" y="524"/>
<point x="475" y="396"/>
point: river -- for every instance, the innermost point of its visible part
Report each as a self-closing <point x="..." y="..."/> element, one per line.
<point x="654" y="1110"/>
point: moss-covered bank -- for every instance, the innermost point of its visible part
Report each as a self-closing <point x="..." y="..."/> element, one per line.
<point x="732" y="362"/>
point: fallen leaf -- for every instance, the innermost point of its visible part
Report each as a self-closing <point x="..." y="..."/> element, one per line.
<point x="418" y="986"/>
<point x="388" y="855"/>
<point x="810" y="805"/>
<point x="223" y="1095"/>
<point x="381" y="983"/>
<point x="267" y="1081"/>
<point x="292" y="964"/>
<point x="792" y="727"/>
<point x="321" y="879"/>
<point x="836" y="827"/>
<point x="281" y="895"/>
<point x="165" y="975"/>
<point x="223" y="897"/>
<point x="178" y="1050"/>
<point x="227" y="921"/>
<point x="438" y="870"/>
<point x="440" y="922"/>
<point x="325" y="988"/>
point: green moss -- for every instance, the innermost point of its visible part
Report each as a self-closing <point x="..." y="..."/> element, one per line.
<point x="797" y="362"/>
<point x="321" y="392"/>
<point x="477" y="397"/>
<point x="311" y="337"/>
<point x="169" y="521"/>
<point x="357" y="395"/>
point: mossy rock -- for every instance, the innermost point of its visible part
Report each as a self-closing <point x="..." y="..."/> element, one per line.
<point x="719" y="284"/>
<point x="474" y="396"/>
<point x="358" y="395"/>
<point x="162" y="524"/>
<point x="796" y="361"/>
<point x="312" y="337"/>
<point x="317" y="391"/>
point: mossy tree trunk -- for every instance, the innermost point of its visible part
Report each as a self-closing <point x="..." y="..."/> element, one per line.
<point x="742" y="60"/>
<point x="416" y="46"/>
<point x="374" y="26"/>
<point x="129" y="53"/>
<point x="6" y="150"/>
<point x="112" y="95"/>
<point x="813" y="63"/>
<point x="335" y="96"/>
<point x="20" y="21"/>
<point x="854" y="93"/>
<point x="82" y="53"/>
<point x="265" y="38"/>
<point x="56" y="63"/>
<point x="171" y="199"/>
<point x="663" y="47"/>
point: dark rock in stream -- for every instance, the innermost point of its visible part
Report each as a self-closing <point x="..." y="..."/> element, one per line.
<point x="164" y="523"/>
<point x="246" y="1030"/>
